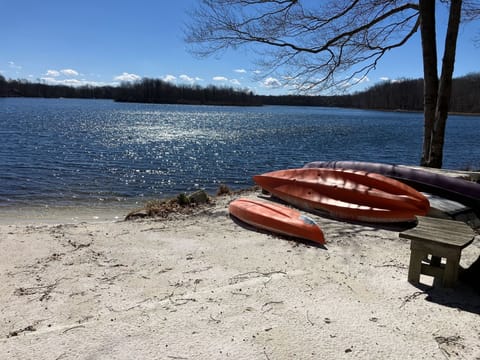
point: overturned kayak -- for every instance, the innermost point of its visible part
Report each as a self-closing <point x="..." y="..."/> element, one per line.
<point x="346" y="194"/>
<point x="460" y="190"/>
<point x="276" y="218"/>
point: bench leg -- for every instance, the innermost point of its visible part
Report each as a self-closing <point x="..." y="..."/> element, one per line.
<point x="450" y="275"/>
<point x="415" y="268"/>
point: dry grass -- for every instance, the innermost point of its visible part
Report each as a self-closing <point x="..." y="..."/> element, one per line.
<point x="182" y="204"/>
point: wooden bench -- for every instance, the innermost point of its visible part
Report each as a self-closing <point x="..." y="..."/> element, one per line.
<point x="433" y="240"/>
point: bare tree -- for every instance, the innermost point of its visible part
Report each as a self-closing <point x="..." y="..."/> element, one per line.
<point x="313" y="44"/>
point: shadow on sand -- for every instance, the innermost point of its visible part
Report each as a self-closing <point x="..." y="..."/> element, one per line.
<point x="464" y="297"/>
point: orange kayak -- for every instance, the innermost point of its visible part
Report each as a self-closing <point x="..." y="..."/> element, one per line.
<point x="276" y="218"/>
<point x="348" y="194"/>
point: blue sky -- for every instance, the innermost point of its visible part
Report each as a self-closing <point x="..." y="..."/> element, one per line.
<point x="101" y="42"/>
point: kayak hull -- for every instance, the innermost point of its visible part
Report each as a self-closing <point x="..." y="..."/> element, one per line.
<point x="276" y="218"/>
<point x="460" y="190"/>
<point x="347" y="194"/>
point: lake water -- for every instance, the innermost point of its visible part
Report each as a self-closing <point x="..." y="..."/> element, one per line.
<point x="64" y="152"/>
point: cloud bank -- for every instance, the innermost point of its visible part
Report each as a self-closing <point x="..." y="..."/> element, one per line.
<point x="127" y="77"/>
<point x="271" y="82"/>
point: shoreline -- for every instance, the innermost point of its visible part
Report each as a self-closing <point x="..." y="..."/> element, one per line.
<point x="117" y="210"/>
<point x="202" y="286"/>
<point x="239" y="104"/>
<point x="48" y="214"/>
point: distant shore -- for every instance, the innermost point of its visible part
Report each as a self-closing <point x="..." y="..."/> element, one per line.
<point x="253" y="104"/>
<point x="406" y="95"/>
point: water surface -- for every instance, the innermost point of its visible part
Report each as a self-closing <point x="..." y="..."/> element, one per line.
<point x="64" y="152"/>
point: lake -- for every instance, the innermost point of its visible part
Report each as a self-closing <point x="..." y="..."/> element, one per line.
<point x="70" y="152"/>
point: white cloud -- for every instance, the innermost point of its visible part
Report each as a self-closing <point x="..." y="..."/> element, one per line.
<point x="70" y="82"/>
<point x="240" y="71"/>
<point x="169" y="78"/>
<point x="271" y="82"/>
<point x="52" y="73"/>
<point x="189" y="79"/>
<point x="353" y="82"/>
<point x="393" y="81"/>
<point x="12" y="65"/>
<point x="186" y="78"/>
<point x="57" y="73"/>
<point x="361" y="80"/>
<point x="127" y="77"/>
<point x="224" y="79"/>
<point x="69" y="72"/>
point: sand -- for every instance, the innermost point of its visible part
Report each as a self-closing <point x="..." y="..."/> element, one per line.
<point x="204" y="287"/>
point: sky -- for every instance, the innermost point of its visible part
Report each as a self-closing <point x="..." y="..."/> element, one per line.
<point x="105" y="42"/>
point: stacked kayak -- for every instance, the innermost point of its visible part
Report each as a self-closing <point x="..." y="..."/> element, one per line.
<point x="464" y="191"/>
<point x="276" y="218"/>
<point x="346" y="194"/>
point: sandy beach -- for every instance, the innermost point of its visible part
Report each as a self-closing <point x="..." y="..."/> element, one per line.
<point x="203" y="287"/>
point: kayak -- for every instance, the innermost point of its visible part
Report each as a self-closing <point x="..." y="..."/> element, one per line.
<point x="347" y="194"/>
<point x="276" y="218"/>
<point x="456" y="189"/>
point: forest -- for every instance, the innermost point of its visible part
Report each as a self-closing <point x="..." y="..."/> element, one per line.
<point x="144" y="91"/>
<point x="404" y="95"/>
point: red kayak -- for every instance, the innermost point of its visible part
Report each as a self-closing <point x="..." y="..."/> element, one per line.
<point x="456" y="189"/>
<point x="276" y="218"/>
<point x="348" y="194"/>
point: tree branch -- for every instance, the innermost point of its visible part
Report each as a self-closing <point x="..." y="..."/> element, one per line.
<point x="311" y="43"/>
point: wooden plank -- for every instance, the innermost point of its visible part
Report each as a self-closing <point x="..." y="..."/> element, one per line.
<point x="448" y="232"/>
<point x="454" y="240"/>
<point x="435" y="234"/>
<point x="444" y="224"/>
<point x="454" y="228"/>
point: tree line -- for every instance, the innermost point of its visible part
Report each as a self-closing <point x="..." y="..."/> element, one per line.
<point x="145" y="91"/>
<point x="159" y="91"/>
<point x="405" y="95"/>
<point x="408" y="95"/>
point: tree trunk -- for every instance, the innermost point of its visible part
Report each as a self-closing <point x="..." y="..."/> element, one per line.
<point x="445" y="86"/>
<point x="430" y="74"/>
